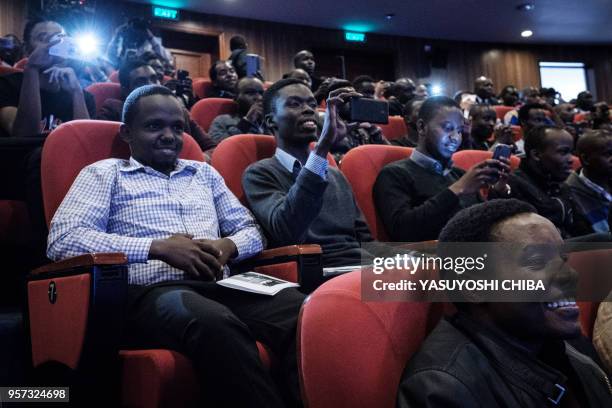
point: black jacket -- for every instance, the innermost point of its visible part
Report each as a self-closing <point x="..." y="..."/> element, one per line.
<point x="462" y="364"/>
<point x="552" y="200"/>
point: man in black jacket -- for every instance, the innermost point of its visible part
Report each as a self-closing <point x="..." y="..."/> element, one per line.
<point x="415" y="197"/>
<point x="512" y="354"/>
<point x="539" y="179"/>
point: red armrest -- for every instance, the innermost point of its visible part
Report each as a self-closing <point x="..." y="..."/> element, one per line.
<point x="83" y="261"/>
<point x="290" y="250"/>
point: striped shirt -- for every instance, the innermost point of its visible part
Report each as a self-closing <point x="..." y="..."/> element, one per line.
<point x="119" y="205"/>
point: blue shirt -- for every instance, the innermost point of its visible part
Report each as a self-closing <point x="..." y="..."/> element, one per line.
<point x="122" y="206"/>
<point x="314" y="163"/>
<point x="431" y="164"/>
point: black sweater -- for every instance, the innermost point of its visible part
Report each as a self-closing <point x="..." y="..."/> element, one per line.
<point x="307" y="210"/>
<point x="415" y="203"/>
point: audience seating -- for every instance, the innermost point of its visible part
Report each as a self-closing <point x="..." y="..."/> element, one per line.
<point x="361" y="166"/>
<point x="395" y="129"/>
<point x="114" y="77"/>
<point x="517" y="132"/>
<point x="352" y="353"/>
<point x="102" y="91"/>
<point x="201" y="87"/>
<point x="501" y="111"/>
<point x="21" y="63"/>
<point x="464" y="159"/>
<point x="206" y="110"/>
<point x="576" y="164"/>
<point x="580" y="117"/>
<point x="84" y="324"/>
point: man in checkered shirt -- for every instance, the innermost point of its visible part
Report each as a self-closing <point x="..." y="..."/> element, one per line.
<point x="179" y="225"/>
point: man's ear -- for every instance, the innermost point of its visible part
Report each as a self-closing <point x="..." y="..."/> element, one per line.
<point x="420" y="125"/>
<point x="124" y="133"/>
<point x="535" y="155"/>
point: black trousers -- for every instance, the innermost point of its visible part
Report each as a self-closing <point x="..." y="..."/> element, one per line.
<point x="216" y="328"/>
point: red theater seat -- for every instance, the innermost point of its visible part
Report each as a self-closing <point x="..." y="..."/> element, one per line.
<point x="395" y="129"/>
<point x="206" y="110"/>
<point x="501" y="111"/>
<point x="352" y="353"/>
<point x="201" y="86"/>
<point x="361" y="166"/>
<point x="102" y="91"/>
<point x="464" y="159"/>
<point x="114" y="77"/>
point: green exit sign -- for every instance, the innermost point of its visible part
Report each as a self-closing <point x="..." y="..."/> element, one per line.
<point x="165" y="13"/>
<point x="354" y="37"/>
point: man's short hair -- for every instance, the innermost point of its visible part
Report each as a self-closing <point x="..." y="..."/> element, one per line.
<point x="297" y="56"/>
<point x="337" y="84"/>
<point x="270" y="95"/>
<point x="523" y="113"/>
<point x="237" y="42"/>
<point x="536" y="138"/>
<point x="589" y="140"/>
<point x="32" y="22"/>
<point x="477" y="110"/>
<point x="474" y="224"/>
<point x="361" y="79"/>
<point x="127" y="67"/>
<point x="432" y="105"/>
<point x="131" y="102"/>
<point x="148" y="56"/>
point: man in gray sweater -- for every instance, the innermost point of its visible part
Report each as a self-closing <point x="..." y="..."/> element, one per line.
<point x="295" y="195"/>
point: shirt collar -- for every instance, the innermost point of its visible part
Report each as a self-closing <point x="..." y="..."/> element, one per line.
<point x="429" y="163"/>
<point x="595" y="187"/>
<point x="133" y="165"/>
<point x="287" y="160"/>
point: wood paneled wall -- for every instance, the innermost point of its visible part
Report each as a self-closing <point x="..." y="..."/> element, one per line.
<point x="515" y="64"/>
<point x="12" y="17"/>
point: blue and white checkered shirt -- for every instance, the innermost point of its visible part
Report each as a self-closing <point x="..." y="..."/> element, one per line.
<point x="122" y="206"/>
<point x="314" y="163"/>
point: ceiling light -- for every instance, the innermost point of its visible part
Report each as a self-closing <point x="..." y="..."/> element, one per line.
<point x="526" y="33"/>
<point x="389" y="16"/>
<point x="525" y="7"/>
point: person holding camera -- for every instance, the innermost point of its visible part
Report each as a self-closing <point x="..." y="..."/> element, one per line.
<point x="415" y="197"/>
<point x="295" y="195"/>
<point x="47" y="92"/>
<point x="248" y="118"/>
<point x="133" y="39"/>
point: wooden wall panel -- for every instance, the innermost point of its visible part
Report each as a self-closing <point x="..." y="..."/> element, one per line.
<point x="12" y="17"/>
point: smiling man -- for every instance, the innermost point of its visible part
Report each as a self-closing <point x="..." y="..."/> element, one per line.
<point x="179" y="226"/>
<point x="295" y="195"/>
<point x="507" y="354"/>
<point x="416" y="196"/>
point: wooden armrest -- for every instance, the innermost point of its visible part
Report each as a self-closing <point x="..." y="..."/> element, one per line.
<point x="290" y="250"/>
<point x="81" y="261"/>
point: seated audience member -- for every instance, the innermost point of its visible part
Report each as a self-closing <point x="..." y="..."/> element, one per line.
<point x="134" y="74"/>
<point x="529" y="95"/>
<point x="398" y="95"/>
<point x="507" y="354"/>
<point x="415" y="197"/>
<point x="179" y="226"/>
<point x="585" y="102"/>
<point x="300" y="74"/>
<point x="539" y="179"/>
<point x="601" y="116"/>
<point x="155" y="62"/>
<point x="509" y="96"/>
<point x="296" y="197"/>
<point x="421" y="92"/>
<point x="305" y="60"/>
<point x="248" y="119"/>
<point x="411" y="116"/>
<point x="484" y="135"/>
<point x="224" y="80"/>
<point x="483" y="88"/>
<point x="566" y="112"/>
<point x="47" y="93"/>
<point x="365" y="85"/>
<point x="591" y="185"/>
<point x="549" y="96"/>
<point x="11" y="50"/>
<point x="381" y="89"/>
<point x="602" y="337"/>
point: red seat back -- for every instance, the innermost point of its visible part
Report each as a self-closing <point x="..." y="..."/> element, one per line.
<point x="576" y="163"/>
<point x="464" y="159"/>
<point x="201" y="86"/>
<point x="395" y="129"/>
<point x="206" y="110"/>
<point x="233" y="155"/>
<point x="79" y="143"/>
<point x="21" y="63"/>
<point x="114" y="77"/>
<point x="361" y="166"/>
<point x="354" y="357"/>
<point x="102" y="91"/>
<point x="501" y="111"/>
